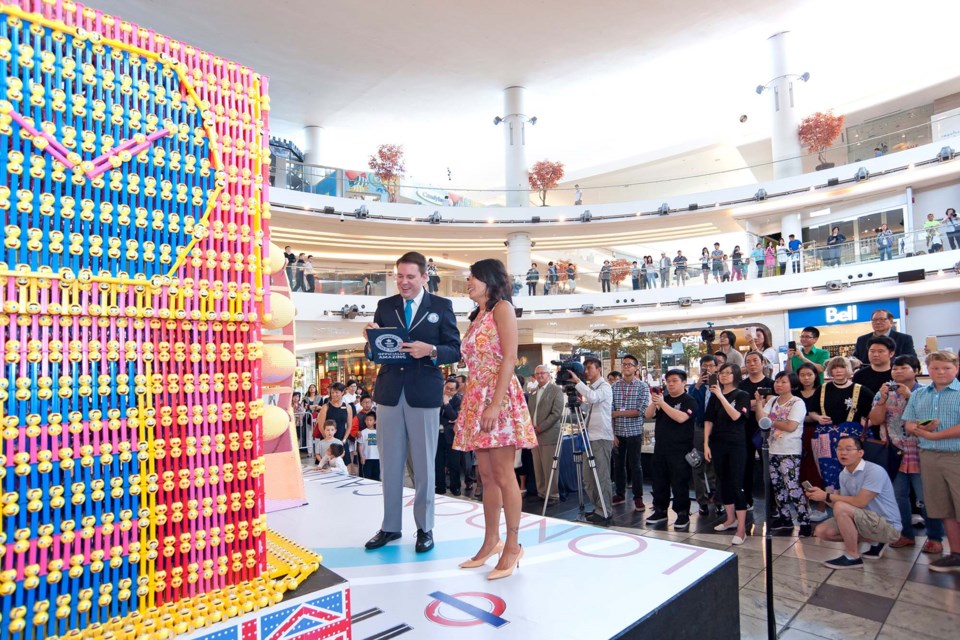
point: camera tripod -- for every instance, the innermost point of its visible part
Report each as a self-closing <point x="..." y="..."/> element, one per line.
<point x="571" y="414"/>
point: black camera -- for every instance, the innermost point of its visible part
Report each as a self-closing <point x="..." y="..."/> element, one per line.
<point x="565" y="381"/>
<point x="765" y="391"/>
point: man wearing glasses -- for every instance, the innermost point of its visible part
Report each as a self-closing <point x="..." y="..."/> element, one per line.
<point x="808" y="352"/>
<point x="882" y="323"/>
<point x="865" y="509"/>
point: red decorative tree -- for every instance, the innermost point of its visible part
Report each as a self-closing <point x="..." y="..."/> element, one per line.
<point x="817" y="132"/>
<point x="545" y="175"/>
<point x="619" y="270"/>
<point x="388" y="164"/>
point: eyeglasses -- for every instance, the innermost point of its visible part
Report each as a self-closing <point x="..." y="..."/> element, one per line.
<point x="846" y="449"/>
<point x="806" y="336"/>
<point x="629" y="364"/>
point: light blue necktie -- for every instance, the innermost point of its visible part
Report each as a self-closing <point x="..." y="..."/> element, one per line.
<point x="408" y="312"/>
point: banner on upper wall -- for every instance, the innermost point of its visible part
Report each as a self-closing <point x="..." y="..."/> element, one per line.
<point x="841" y="313"/>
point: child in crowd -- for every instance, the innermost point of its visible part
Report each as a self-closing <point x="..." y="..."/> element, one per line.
<point x="320" y="446"/>
<point x="333" y="460"/>
<point x="367" y="445"/>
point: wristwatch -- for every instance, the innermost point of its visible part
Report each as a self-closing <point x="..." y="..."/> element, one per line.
<point x="828" y="498"/>
<point x="433" y="352"/>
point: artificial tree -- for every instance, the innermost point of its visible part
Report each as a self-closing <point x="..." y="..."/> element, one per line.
<point x="545" y="175"/>
<point x="388" y="164"/>
<point x="818" y="131"/>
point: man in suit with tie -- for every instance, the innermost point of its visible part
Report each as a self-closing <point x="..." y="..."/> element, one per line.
<point x="409" y="395"/>
<point x="546" y="408"/>
<point x="882" y="323"/>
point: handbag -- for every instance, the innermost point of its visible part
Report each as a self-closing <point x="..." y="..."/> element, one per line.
<point x="883" y="453"/>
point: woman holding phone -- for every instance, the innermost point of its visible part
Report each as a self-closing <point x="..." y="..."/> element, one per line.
<point x="724" y="426"/>
<point x="787" y="411"/>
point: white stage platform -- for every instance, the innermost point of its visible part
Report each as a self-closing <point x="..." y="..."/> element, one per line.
<point x="575" y="581"/>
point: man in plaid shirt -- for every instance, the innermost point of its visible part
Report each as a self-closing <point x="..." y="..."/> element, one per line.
<point x="631" y="396"/>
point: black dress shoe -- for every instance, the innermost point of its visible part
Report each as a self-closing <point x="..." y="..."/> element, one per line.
<point x="455" y="492"/>
<point x="381" y="538"/>
<point x="424" y="541"/>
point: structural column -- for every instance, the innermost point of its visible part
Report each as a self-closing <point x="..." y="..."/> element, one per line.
<point x="784" y="141"/>
<point x="312" y="134"/>
<point x="515" y="144"/>
<point x="518" y="258"/>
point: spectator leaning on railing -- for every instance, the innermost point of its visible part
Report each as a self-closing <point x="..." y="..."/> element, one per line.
<point x="680" y="269"/>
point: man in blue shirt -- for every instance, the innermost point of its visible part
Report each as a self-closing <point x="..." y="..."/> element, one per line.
<point x="704" y="477"/>
<point x="864" y="509"/>
<point x="933" y="415"/>
<point x="794" y="246"/>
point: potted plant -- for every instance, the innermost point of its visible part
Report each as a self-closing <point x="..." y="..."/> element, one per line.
<point x="545" y="175"/>
<point x="388" y="165"/>
<point x="817" y="132"/>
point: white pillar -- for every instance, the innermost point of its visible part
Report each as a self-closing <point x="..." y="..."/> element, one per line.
<point x="518" y="258"/>
<point x="515" y="144"/>
<point x="790" y="223"/>
<point x="784" y="141"/>
<point x="312" y="133"/>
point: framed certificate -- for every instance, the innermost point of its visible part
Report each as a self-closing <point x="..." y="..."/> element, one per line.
<point x="385" y="345"/>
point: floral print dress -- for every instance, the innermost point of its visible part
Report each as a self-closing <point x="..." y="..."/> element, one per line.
<point x="483" y="354"/>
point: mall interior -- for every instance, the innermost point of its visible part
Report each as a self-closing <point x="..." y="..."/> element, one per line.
<point x="678" y="132"/>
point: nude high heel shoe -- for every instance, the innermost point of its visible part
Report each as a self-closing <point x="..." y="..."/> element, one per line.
<point x="496" y="574"/>
<point x="479" y="562"/>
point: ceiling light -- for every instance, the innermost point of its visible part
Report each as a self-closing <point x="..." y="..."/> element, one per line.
<point x="586" y="216"/>
<point x="349" y="311"/>
<point x="862" y="174"/>
<point x="362" y="212"/>
<point x="834" y="285"/>
<point x="587" y="309"/>
<point x="946" y="153"/>
<point x="664" y="209"/>
<point x="761" y="194"/>
<point x="685" y="302"/>
<point x="434" y="218"/>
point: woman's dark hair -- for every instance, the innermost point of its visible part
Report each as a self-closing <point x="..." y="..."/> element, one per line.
<point x="337" y="386"/>
<point x="492" y="273"/>
<point x="906" y="360"/>
<point x="737" y="373"/>
<point x="816" y="374"/>
<point x="792" y="377"/>
<point x="731" y="337"/>
<point x="767" y="339"/>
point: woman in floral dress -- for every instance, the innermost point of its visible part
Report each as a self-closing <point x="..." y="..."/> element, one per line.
<point x="494" y="420"/>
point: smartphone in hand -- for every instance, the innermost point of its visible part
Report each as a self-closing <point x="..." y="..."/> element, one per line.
<point x="806" y="485"/>
<point x="713" y="380"/>
<point x="792" y="345"/>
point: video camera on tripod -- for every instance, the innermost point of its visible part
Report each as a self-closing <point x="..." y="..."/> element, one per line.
<point x="565" y="381"/>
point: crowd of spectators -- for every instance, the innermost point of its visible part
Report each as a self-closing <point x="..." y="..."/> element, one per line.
<point x="849" y="450"/>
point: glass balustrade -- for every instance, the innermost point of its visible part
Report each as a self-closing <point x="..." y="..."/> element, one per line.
<point x="812" y="256"/>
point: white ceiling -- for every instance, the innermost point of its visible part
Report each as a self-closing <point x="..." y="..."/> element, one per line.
<point x="610" y="81"/>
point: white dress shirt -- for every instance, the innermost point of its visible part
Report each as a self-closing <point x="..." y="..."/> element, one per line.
<point x="599" y="396"/>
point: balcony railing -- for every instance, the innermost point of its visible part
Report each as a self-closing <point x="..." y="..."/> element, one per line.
<point x="811" y="257"/>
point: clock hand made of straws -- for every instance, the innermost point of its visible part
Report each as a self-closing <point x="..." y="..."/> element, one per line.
<point x="93" y="168"/>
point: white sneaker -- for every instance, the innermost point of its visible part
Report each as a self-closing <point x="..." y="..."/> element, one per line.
<point x="818" y="516"/>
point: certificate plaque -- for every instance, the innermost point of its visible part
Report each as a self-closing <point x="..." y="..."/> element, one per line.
<point x="385" y="345"/>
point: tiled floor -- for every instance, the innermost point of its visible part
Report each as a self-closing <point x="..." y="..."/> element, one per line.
<point x="889" y="599"/>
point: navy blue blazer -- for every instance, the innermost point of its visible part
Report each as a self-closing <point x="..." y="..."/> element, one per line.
<point x="422" y="380"/>
<point x="904" y="342"/>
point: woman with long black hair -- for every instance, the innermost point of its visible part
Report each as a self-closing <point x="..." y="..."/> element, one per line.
<point x="494" y="420"/>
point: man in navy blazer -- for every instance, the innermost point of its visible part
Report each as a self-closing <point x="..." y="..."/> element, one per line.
<point x="882" y="323"/>
<point x="409" y="395"/>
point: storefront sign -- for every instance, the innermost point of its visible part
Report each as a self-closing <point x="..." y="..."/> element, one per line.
<point x="841" y="313"/>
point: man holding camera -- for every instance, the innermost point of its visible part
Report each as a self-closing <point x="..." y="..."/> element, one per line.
<point x="704" y="478"/>
<point x="598" y="395"/>
<point x="755" y="381"/>
<point x="631" y="396"/>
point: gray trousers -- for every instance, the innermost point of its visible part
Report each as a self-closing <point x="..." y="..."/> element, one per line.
<point x="401" y="429"/>
<point x="542" y="463"/>
<point x="602" y="450"/>
<point x="705" y="473"/>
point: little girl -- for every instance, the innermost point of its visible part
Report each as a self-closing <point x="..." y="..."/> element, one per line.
<point x="333" y="460"/>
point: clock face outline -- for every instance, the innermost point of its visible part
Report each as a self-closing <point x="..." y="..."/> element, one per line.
<point x="113" y="136"/>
